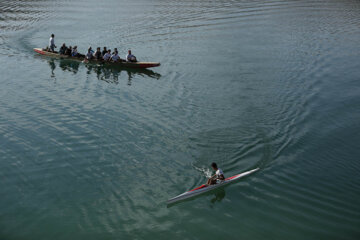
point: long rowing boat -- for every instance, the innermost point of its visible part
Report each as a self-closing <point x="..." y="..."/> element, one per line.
<point x="204" y="188"/>
<point x="119" y="64"/>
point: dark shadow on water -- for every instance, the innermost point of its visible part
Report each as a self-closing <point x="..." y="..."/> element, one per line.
<point x="52" y="67"/>
<point x="107" y="74"/>
<point x="69" y="66"/>
<point x="112" y="74"/>
<point x="219" y="196"/>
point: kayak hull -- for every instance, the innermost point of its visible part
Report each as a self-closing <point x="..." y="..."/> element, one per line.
<point x="119" y="64"/>
<point x="203" y="188"/>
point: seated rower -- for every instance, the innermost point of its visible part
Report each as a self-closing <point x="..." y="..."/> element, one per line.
<point x="74" y="52"/>
<point x="104" y="51"/>
<point x="68" y="51"/>
<point x="130" y="57"/>
<point x="107" y="55"/>
<point x="97" y="54"/>
<point x="90" y="49"/>
<point x="89" y="54"/>
<point x="217" y="177"/>
<point x="63" y="49"/>
<point x="115" y="57"/>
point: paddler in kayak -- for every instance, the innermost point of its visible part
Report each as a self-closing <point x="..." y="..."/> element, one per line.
<point x="217" y="177"/>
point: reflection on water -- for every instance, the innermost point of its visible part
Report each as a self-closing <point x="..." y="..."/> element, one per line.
<point x="107" y="74"/>
<point x="112" y="74"/>
<point x="219" y="196"/>
<point x="71" y="66"/>
<point x="52" y="67"/>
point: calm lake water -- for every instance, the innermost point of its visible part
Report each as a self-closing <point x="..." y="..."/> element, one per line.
<point x="94" y="153"/>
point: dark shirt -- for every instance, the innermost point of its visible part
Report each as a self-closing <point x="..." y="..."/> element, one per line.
<point x="62" y="50"/>
<point x="68" y="52"/>
<point x="98" y="55"/>
<point x="104" y="52"/>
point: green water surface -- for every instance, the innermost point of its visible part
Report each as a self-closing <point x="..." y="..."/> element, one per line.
<point x="88" y="152"/>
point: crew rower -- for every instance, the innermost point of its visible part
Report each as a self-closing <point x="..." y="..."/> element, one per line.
<point x="52" y="43"/>
<point x="89" y="55"/>
<point x="63" y="49"/>
<point x="115" y="57"/>
<point x="130" y="57"/>
<point x="107" y="55"/>
<point x="217" y="177"/>
<point x="74" y="52"/>
<point x="97" y="54"/>
<point x="104" y="51"/>
<point x="68" y="51"/>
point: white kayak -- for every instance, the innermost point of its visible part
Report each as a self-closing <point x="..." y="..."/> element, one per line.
<point x="203" y="188"/>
